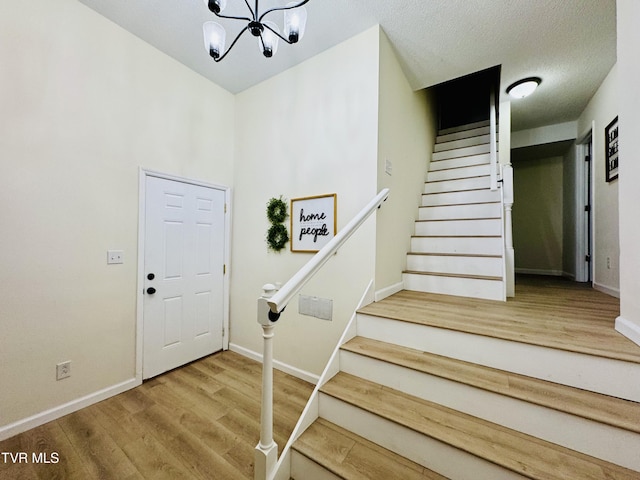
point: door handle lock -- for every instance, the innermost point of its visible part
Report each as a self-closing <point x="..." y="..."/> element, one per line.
<point x="151" y="290"/>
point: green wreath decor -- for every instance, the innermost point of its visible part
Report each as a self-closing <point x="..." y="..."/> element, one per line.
<point x="277" y="237"/>
<point x="277" y="210"/>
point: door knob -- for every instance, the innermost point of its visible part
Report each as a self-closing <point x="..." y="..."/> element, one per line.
<point x="151" y="276"/>
<point x="151" y="290"/>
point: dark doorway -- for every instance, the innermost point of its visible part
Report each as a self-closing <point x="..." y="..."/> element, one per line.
<point x="465" y="100"/>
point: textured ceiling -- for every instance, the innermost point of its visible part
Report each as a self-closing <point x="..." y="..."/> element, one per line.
<point x="570" y="44"/>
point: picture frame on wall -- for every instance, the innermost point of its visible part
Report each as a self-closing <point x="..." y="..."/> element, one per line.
<point x="611" y="145"/>
<point x="313" y="222"/>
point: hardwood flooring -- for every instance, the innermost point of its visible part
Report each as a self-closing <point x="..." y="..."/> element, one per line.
<point x="200" y="421"/>
<point x="547" y="311"/>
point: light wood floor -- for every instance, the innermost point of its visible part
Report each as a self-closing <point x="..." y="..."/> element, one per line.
<point x="197" y="422"/>
<point x="547" y="311"/>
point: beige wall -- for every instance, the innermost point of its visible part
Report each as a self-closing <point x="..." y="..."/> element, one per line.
<point x="569" y="214"/>
<point x="537" y="216"/>
<point x="629" y="116"/>
<point x="406" y="135"/>
<point x="84" y="105"/>
<point x="601" y="110"/>
<point x="311" y="130"/>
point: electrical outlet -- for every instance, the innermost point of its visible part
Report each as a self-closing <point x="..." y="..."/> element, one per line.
<point x="63" y="370"/>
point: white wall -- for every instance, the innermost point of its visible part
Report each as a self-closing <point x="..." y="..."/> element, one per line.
<point x="406" y="135"/>
<point x="546" y="134"/>
<point x="602" y="109"/>
<point x="311" y="130"/>
<point x="537" y="216"/>
<point x="84" y="104"/>
<point x="628" y="14"/>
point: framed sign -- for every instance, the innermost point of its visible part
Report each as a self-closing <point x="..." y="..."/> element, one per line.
<point x="313" y="222"/>
<point x="611" y="142"/>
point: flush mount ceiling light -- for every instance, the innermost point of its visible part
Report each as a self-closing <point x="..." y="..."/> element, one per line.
<point x="267" y="32"/>
<point x="523" y="88"/>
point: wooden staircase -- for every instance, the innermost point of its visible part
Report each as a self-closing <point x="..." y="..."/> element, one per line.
<point x="458" y="248"/>
<point x="421" y="397"/>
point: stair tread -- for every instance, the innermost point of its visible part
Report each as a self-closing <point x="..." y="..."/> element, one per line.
<point x="458" y="219"/>
<point x="582" y="326"/>
<point x="353" y="457"/>
<point x="453" y="275"/>
<point x="457" y="191"/>
<point x="594" y="406"/>
<point x="521" y="453"/>
<point x="460" y="178"/>
<point x="460" y="204"/>
<point x="440" y="254"/>
<point x="456" y="236"/>
<point x="458" y="167"/>
<point x="462" y="128"/>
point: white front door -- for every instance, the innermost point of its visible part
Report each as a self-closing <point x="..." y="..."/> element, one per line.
<point x="183" y="273"/>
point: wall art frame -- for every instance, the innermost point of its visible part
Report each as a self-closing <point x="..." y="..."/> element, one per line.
<point x="611" y="150"/>
<point x="313" y="222"/>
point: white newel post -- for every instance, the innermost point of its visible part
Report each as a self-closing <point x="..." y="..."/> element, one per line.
<point x="266" y="452"/>
<point x="507" y="179"/>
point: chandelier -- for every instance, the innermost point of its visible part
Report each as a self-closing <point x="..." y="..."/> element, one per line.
<point x="267" y="32"/>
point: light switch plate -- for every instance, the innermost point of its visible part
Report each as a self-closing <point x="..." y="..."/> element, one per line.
<point x="115" y="257"/>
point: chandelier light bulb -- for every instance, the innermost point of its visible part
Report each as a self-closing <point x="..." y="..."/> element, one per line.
<point x="295" y="21"/>
<point x="268" y="41"/>
<point x="216" y="6"/>
<point x="214" y="39"/>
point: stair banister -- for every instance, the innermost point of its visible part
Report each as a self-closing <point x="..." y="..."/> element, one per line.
<point x="279" y="301"/>
<point x="493" y="140"/>
<point x="270" y="306"/>
<point x="507" y="200"/>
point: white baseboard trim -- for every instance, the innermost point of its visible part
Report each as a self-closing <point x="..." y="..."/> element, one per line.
<point x="614" y="292"/>
<point x="54" y="413"/>
<point x="284" y="367"/>
<point x="629" y="329"/>
<point x="388" y="291"/>
<point x="537" y="271"/>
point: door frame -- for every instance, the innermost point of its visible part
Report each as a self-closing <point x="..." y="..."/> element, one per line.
<point x="584" y="232"/>
<point x="143" y="175"/>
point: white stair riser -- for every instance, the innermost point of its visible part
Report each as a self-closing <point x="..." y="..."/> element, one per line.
<point x="482" y="159"/>
<point x="460" y="198"/>
<point x="598" y="374"/>
<point x="303" y="468"/>
<point x="466" y="245"/>
<point x="459" y="184"/>
<point x="464" y="128"/>
<point x="459" y="287"/>
<point x="460" y="152"/>
<point x="461" y="172"/>
<point x="453" y="212"/>
<point x="614" y="444"/>
<point x="464" y="134"/>
<point x="461" y="143"/>
<point x="490" y="226"/>
<point x="491" y="266"/>
<point x="437" y="456"/>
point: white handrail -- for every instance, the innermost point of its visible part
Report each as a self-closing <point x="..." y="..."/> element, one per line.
<point x="280" y="300"/>
<point x="493" y="140"/>
<point x="269" y="309"/>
